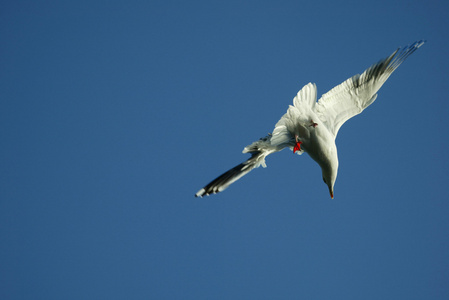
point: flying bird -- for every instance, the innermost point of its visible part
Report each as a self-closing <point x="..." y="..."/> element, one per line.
<point x="311" y="126"/>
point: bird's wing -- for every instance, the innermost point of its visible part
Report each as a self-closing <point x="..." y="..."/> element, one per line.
<point x="355" y="94"/>
<point x="258" y="150"/>
<point x="297" y="114"/>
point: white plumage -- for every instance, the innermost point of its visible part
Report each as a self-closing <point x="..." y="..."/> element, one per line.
<point x="311" y="126"/>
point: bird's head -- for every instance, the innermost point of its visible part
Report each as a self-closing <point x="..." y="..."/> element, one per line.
<point x="329" y="176"/>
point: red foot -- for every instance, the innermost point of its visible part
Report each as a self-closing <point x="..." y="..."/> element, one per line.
<point x="297" y="147"/>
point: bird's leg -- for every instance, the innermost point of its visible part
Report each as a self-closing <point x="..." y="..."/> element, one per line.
<point x="297" y="145"/>
<point x="313" y="124"/>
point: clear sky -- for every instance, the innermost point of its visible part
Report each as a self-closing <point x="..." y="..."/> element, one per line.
<point x="115" y="113"/>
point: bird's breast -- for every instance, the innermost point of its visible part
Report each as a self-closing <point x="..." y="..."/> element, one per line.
<point x="320" y="145"/>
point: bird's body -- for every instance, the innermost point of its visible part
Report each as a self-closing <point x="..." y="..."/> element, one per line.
<point x="311" y="126"/>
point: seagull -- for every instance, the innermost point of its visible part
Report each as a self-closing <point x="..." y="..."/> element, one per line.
<point x="311" y="126"/>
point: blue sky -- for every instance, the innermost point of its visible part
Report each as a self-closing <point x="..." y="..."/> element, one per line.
<point x="115" y="113"/>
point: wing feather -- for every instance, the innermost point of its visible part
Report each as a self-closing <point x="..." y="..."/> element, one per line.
<point x="303" y="103"/>
<point x="258" y="150"/>
<point x="356" y="93"/>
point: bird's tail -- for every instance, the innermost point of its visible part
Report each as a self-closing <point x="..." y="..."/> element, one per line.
<point x="259" y="150"/>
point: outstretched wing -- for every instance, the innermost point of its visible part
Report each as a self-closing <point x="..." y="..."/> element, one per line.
<point x="297" y="114"/>
<point x="355" y="94"/>
<point x="258" y="150"/>
<point x="222" y="182"/>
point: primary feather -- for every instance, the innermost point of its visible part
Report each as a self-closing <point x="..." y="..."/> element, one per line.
<point x="355" y="94"/>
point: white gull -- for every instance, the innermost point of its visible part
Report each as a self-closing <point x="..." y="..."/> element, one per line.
<point x="311" y="126"/>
